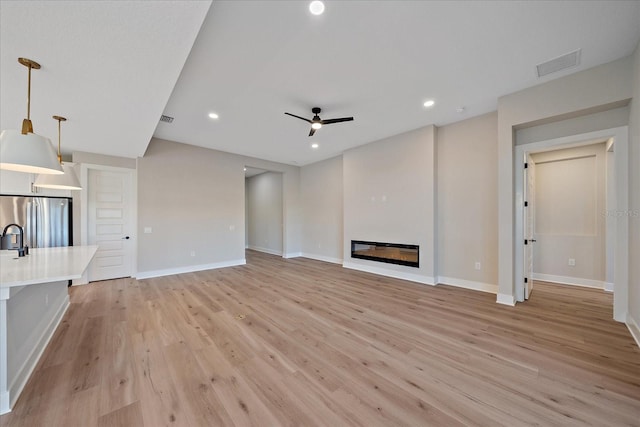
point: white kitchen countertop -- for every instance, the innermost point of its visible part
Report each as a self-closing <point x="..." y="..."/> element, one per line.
<point x="44" y="265"/>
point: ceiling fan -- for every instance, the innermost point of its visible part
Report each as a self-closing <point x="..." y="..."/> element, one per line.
<point x="317" y="122"/>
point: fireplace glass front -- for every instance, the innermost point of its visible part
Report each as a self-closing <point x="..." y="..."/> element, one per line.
<point x="393" y="253"/>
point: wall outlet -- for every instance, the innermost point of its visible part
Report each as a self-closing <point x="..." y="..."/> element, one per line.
<point x="232" y="227"/>
<point x="572" y="262"/>
<point x="46" y="300"/>
<point x="478" y="265"/>
<point x="148" y="230"/>
<point x="193" y="253"/>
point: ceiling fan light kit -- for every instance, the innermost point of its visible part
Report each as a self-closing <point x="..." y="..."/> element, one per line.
<point x="25" y="151"/>
<point x="316" y="122"/>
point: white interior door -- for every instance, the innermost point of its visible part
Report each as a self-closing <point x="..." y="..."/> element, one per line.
<point x="110" y="223"/>
<point x="529" y="223"/>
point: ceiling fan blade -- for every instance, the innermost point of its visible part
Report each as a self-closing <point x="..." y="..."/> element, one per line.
<point x="298" y="117"/>
<point x="312" y="131"/>
<point x="343" y="119"/>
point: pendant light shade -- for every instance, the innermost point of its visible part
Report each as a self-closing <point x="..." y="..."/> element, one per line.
<point x="25" y="151"/>
<point x="66" y="181"/>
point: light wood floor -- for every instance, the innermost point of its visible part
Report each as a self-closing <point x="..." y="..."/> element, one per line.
<point x="301" y="342"/>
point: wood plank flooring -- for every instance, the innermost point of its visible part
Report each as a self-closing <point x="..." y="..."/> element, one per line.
<point x="300" y="342"/>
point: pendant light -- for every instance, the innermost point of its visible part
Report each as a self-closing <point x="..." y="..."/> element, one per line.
<point x="68" y="181"/>
<point x="25" y="151"/>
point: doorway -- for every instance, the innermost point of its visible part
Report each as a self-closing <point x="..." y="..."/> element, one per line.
<point x="264" y="229"/>
<point x="108" y="221"/>
<point x="617" y="201"/>
<point x="564" y="217"/>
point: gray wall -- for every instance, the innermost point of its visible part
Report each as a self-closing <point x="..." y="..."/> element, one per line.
<point x="322" y="206"/>
<point x="607" y="119"/>
<point x="634" y="199"/>
<point x="389" y="196"/>
<point x="597" y="89"/>
<point x="570" y="220"/>
<point x="264" y="212"/>
<point x="193" y="198"/>
<point x="467" y="202"/>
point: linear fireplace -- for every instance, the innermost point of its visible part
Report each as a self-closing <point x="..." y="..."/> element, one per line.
<point x="393" y="253"/>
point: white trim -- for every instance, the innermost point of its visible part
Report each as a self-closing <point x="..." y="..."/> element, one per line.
<point x="188" y="269"/>
<point x="621" y="247"/>
<point x="81" y="281"/>
<point x="5" y="408"/>
<point x="412" y="277"/>
<point x="292" y="255"/>
<point x="573" y="281"/>
<point x="634" y="329"/>
<point x="29" y="364"/>
<point x="469" y="284"/>
<point x="4" y="390"/>
<point x="506" y="299"/>
<point x="322" y="258"/>
<point x="265" y="250"/>
<point x="608" y="286"/>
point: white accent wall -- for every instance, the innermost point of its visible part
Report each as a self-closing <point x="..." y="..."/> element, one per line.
<point x="390" y="196"/>
<point x="570" y="215"/>
<point x="264" y="212"/>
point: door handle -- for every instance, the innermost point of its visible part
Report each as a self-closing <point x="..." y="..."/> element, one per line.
<point x="127" y="238"/>
<point x="532" y="240"/>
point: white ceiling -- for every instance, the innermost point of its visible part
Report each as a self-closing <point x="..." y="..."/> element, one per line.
<point x="111" y="67"/>
<point x="107" y="66"/>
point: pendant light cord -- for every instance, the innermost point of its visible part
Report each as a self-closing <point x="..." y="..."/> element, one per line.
<point x="59" y="153"/>
<point x="29" y="95"/>
<point x="59" y="119"/>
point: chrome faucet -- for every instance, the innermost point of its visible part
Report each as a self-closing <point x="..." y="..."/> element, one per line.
<point x="7" y="245"/>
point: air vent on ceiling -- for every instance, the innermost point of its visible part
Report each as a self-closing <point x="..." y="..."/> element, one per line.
<point x="563" y="62"/>
<point x="166" y="119"/>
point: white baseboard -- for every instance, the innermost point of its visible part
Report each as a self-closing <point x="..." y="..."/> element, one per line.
<point x="188" y="269"/>
<point x="634" y="329"/>
<point x="468" y="284"/>
<point x="506" y="299"/>
<point x="29" y="364"/>
<point x="292" y="255"/>
<point x="322" y="258"/>
<point x="265" y="250"/>
<point x="566" y="280"/>
<point x="412" y="277"/>
<point x="608" y="286"/>
<point x="5" y="408"/>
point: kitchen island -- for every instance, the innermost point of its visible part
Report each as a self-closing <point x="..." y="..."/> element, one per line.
<point x="33" y="299"/>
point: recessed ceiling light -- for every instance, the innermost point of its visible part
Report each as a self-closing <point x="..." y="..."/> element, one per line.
<point x="316" y="7"/>
<point x="213" y="116"/>
<point x="429" y="103"/>
<point x="245" y="169"/>
<point x="314" y="145"/>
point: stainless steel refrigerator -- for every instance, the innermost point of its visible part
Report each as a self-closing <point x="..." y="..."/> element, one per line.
<point x="47" y="221"/>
